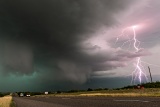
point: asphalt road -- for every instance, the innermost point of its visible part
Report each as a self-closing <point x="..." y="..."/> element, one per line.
<point x="87" y="101"/>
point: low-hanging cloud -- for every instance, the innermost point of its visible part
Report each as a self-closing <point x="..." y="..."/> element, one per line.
<point x="43" y="34"/>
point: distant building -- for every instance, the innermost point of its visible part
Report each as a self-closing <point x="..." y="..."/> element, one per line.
<point x="21" y="95"/>
<point x="45" y="93"/>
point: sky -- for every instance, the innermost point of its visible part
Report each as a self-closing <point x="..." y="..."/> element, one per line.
<point x="48" y="45"/>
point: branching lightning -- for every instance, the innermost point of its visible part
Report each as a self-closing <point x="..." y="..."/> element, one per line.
<point x="139" y="68"/>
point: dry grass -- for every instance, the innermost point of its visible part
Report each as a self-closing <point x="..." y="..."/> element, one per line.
<point x="5" y="101"/>
<point x="148" y="92"/>
<point x="130" y="92"/>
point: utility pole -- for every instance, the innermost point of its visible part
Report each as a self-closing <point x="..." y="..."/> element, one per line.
<point x="150" y="73"/>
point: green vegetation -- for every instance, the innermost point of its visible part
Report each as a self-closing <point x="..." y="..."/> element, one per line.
<point x="145" y="85"/>
<point x="154" y="92"/>
<point x="12" y="104"/>
<point x="1" y="95"/>
<point x="4" y="94"/>
<point x="30" y="93"/>
<point x="144" y="89"/>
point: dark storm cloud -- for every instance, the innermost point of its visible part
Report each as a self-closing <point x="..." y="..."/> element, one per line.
<point x="44" y="36"/>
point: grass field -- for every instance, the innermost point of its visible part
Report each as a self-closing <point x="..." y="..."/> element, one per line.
<point x="6" y="101"/>
<point x="148" y="92"/>
<point x="152" y="92"/>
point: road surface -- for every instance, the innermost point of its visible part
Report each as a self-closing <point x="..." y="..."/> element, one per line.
<point x="87" y="101"/>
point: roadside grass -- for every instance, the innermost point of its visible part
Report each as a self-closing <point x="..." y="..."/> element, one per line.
<point x="6" y="101"/>
<point x="148" y="92"/>
<point x="151" y="92"/>
<point x="12" y="104"/>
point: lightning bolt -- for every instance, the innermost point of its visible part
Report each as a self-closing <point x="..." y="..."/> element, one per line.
<point x="139" y="68"/>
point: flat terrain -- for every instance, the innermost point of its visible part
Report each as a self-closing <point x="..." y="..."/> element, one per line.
<point x="78" y="101"/>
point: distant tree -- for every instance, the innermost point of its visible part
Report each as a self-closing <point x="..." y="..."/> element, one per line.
<point x="73" y="91"/>
<point x="1" y="95"/>
<point x="36" y="93"/>
<point x="98" y="89"/>
<point x="145" y="85"/>
<point x="106" y="89"/>
<point x="58" y="92"/>
<point x="89" y="89"/>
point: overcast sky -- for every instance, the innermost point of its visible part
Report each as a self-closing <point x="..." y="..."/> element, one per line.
<point x="73" y="44"/>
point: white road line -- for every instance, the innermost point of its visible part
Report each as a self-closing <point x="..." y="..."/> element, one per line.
<point x="132" y="101"/>
<point x="146" y="101"/>
<point x="127" y="100"/>
<point x="66" y="98"/>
